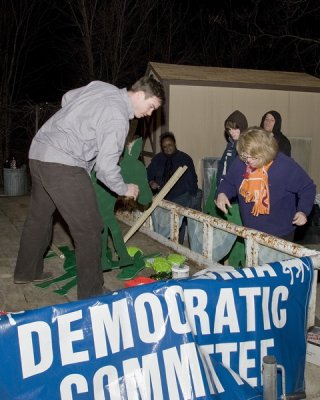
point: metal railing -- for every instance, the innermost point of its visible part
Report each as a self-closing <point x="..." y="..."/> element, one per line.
<point x="253" y="241"/>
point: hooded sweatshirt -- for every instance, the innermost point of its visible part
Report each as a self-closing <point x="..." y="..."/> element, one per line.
<point x="283" y="142"/>
<point x="230" y="151"/>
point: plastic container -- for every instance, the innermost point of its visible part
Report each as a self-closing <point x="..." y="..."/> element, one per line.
<point x="141" y="280"/>
<point x="15" y="181"/>
<point x="180" y="271"/>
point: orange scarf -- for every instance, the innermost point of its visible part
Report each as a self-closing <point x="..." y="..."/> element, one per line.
<point x="255" y="188"/>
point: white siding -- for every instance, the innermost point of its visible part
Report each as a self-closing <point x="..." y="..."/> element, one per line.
<point x="197" y="114"/>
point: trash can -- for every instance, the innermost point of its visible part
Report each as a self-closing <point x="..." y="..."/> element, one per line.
<point x="210" y="167"/>
<point x="15" y="181"/>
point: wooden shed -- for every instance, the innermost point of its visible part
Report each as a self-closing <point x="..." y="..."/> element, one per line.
<point x="199" y="99"/>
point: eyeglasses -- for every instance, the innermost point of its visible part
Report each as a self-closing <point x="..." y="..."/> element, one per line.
<point x="244" y="157"/>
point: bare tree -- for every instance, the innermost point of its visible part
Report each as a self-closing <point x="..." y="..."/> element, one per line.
<point x="281" y="35"/>
<point x="113" y="40"/>
<point x="18" y="27"/>
<point x="173" y="33"/>
<point x="102" y="37"/>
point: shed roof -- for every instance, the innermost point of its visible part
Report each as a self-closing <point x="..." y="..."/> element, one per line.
<point x="234" y="77"/>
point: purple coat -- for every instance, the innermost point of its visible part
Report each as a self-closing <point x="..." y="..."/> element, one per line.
<point x="290" y="188"/>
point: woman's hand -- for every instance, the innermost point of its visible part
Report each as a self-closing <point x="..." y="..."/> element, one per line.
<point x="223" y="203"/>
<point x="299" y="218"/>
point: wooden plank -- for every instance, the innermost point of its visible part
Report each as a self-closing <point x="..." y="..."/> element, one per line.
<point x="156" y="201"/>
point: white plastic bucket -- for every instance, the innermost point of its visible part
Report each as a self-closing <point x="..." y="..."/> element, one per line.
<point x="180" y="271"/>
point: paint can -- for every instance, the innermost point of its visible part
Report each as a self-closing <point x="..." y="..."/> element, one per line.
<point x="180" y="271"/>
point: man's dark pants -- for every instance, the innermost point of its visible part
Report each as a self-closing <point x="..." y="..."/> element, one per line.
<point x="68" y="189"/>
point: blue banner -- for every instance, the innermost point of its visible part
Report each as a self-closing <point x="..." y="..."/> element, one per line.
<point x="198" y="338"/>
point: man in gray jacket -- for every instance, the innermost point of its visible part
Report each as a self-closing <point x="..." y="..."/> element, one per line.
<point x="88" y="131"/>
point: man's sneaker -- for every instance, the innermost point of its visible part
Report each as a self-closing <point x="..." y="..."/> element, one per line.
<point x="44" y="276"/>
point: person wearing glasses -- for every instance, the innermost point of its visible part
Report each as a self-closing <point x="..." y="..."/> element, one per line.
<point x="274" y="193"/>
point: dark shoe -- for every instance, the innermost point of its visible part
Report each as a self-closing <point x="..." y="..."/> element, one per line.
<point x="44" y="276"/>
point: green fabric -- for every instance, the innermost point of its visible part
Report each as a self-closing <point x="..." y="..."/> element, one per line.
<point x="132" y="270"/>
<point x="132" y="171"/>
<point x="236" y="256"/>
<point x="106" y="202"/>
<point x="137" y="263"/>
<point x="70" y="272"/>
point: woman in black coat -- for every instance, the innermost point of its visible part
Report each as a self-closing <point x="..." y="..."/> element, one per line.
<point x="271" y="122"/>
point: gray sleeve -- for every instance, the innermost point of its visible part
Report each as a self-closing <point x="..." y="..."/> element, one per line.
<point x="111" y="139"/>
<point x="70" y="95"/>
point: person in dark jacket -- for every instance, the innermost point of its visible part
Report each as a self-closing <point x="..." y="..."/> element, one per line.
<point x="275" y="194"/>
<point x="234" y="125"/>
<point x="271" y="122"/>
<point x="162" y="167"/>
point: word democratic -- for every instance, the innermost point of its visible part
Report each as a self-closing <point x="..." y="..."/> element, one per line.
<point x="168" y="340"/>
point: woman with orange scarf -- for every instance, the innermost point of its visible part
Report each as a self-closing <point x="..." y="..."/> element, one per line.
<point x="274" y="193"/>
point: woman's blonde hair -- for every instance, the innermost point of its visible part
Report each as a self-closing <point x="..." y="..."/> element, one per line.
<point x="256" y="142"/>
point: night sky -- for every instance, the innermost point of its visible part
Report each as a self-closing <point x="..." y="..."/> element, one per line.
<point x="45" y="49"/>
<point x="223" y="33"/>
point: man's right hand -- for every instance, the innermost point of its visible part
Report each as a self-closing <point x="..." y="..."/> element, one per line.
<point x="133" y="191"/>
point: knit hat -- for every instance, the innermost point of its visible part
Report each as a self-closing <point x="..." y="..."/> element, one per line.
<point x="278" y="121"/>
<point x="239" y="119"/>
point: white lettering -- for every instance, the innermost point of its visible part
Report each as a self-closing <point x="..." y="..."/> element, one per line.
<point x="245" y="362"/>
<point x="176" y="310"/>
<point x="67" y="337"/>
<point x="196" y="301"/>
<point x="146" y="379"/>
<point x="212" y="377"/>
<point x="265" y="269"/>
<point x="78" y="381"/>
<point x="265" y="308"/>
<point x="226" y="349"/>
<point x="27" y="335"/>
<point x="249" y="294"/>
<point x="226" y="312"/>
<point x="113" y="326"/>
<point x="279" y="294"/>
<point x="150" y="332"/>
<point x="178" y="370"/>
<point x="248" y="272"/>
<point x="111" y="386"/>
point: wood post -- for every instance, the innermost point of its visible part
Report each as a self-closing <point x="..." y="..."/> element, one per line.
<point x="156" y="201"/>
